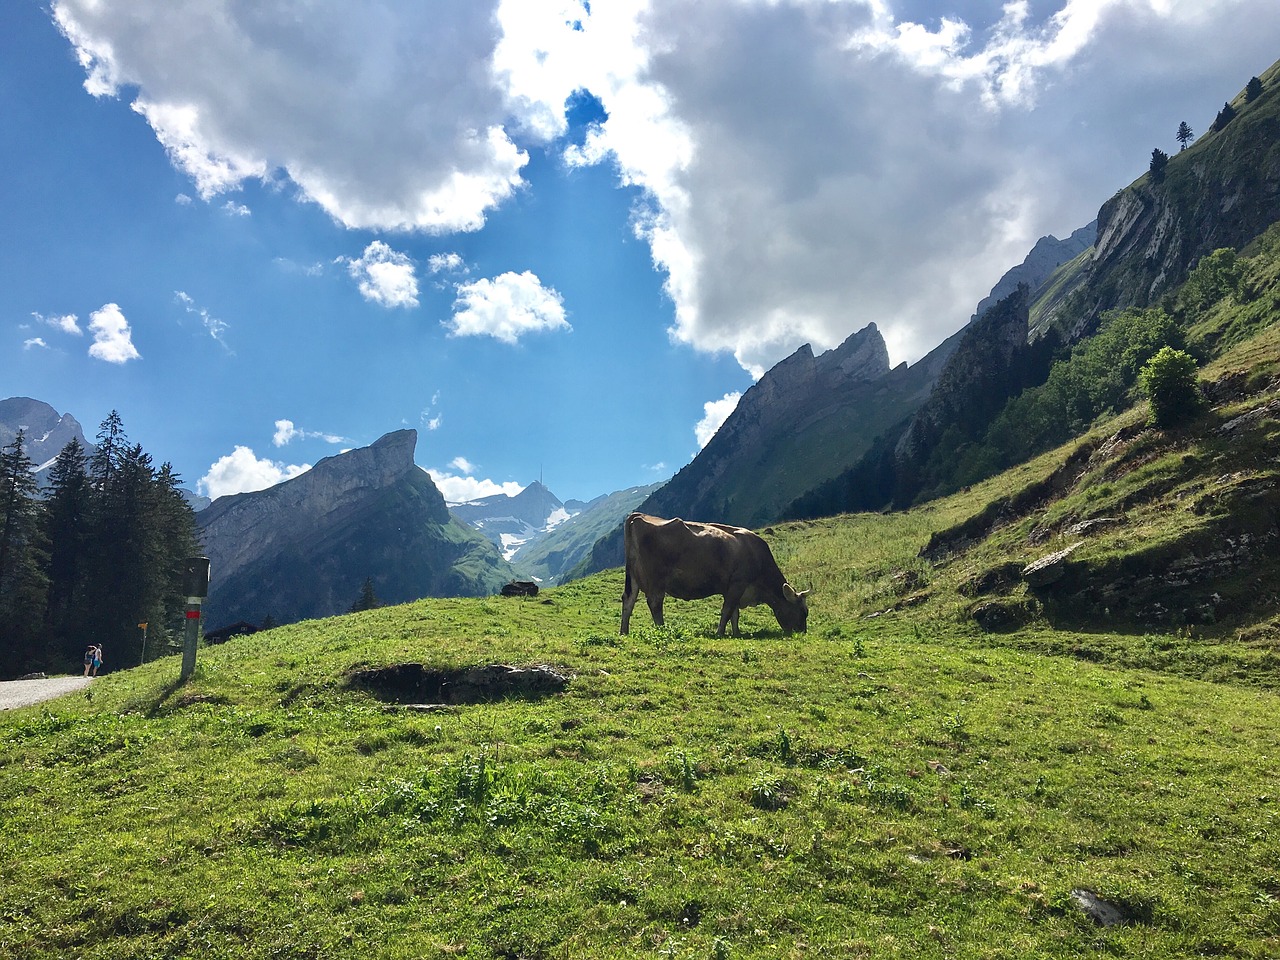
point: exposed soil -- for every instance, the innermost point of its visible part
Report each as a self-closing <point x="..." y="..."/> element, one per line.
<point x="416" y="683"/>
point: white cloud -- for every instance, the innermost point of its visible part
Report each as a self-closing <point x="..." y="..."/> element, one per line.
<point x="805" y="166"/>
<point x="506" y="308"/>
<point x="715" y="413"/>
<point x="386" y="277"/>
<point x="286" y="432"/>
<point x="242" y="472"/>
<point x="67" y="323"/>
<point x="430" y="417"/>
<point x="292" y="266"/>
<point x="183" y="200"/>
<point x="462" y="464"/>
<point x="215" y="327"/>
<point x="112" y="338"/>
<point x="462" y="488"/>
<point x="386" y="114"/>
<point x="236" y="209"/>
<point x="446" y="263"/>
<point x="811" y="166"/>
<point x="34" y="342"/>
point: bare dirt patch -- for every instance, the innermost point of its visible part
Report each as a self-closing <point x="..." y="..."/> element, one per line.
<point x="416" y="683"/>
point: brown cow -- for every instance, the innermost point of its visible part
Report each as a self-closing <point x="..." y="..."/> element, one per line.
<point x="690" y="561"/>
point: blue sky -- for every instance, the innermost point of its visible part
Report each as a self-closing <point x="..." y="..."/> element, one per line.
<point x="557" y="239"/>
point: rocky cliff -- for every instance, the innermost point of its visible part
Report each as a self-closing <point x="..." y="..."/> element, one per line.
<point x="790" y="427"/>
<point x="1039" y="265"/>
<point x="1222" y="191"/>
<point x="303" y="548"/>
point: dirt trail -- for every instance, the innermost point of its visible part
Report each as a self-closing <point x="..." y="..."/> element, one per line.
<point x="23" y="693"/>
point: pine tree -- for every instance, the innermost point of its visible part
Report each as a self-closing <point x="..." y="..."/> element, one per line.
<point x="1184" y="135"/>
<point x="140" y="532"/>
<point x="1159" y="160"/>
<point x="175" y="540"/>
<point x="367" y="600"/>
<point x="1225" y="116"/>
<point x="112" y="442"/>
<point x="1252" y="90"/>
<point x="23" y="587"/>
<point x="65" y="523"/>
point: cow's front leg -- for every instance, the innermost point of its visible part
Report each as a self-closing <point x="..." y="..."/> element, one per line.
<point x="728" y="615"/>
<point x="729" y="612"/>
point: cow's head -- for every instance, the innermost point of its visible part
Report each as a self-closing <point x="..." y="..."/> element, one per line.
<point x="793" y="612"/>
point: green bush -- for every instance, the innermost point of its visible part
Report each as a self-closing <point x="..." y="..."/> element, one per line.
<point x="1169" y="378"/>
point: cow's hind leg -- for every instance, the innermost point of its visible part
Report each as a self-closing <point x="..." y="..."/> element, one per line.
<point x="629" y="595"/>
<point x="655" y="606"/>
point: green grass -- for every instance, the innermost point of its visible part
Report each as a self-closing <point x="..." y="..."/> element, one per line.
<point x="874" y="788"/>
<point x="896" y="782"/>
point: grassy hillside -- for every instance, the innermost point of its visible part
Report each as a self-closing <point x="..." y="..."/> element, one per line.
<point x="897" y="782"/>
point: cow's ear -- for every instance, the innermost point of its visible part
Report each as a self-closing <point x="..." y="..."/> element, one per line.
<point x="789" y="592"/>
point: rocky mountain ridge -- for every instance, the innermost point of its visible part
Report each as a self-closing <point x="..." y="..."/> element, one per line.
<point x="513" y="522"/>
<point x="46" y="430"/>
<point x="303" y="548"/>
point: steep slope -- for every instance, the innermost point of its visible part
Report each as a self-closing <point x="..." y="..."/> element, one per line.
<point x="303" y="548"/>
<point x="1222" y="192"/>
<point x="1137" y="527"/>
<point x="810" y="421"/>
<point x="1042" y="263"/>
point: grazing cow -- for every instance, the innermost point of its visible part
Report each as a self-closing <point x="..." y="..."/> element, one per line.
<point x="690" y="561"/>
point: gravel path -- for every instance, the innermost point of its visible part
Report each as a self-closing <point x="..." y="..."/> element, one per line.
<point x="23" y="693"/>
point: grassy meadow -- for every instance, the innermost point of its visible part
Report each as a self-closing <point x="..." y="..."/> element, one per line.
<point x="896" y="784"/>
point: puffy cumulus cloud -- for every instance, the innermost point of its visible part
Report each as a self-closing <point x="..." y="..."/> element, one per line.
<point x="388" y="114"/>
<point x="385" y="276"/>
<point x="506" y="308"/>
<point x="457" y="485"/>
<point x="112" y="337"/>
<point x="715" y="413"/>
<point x="241" y="471"/>
<point x="811" y="166"/>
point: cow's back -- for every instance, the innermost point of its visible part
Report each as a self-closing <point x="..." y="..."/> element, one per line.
<point x="688" y="561"/>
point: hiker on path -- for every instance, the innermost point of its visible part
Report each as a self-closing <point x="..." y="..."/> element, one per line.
<point x="90" y="654"/>
<point x="97" y="658"/>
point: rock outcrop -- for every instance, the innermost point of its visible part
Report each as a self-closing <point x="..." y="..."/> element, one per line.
<point x="303" y="548"/>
